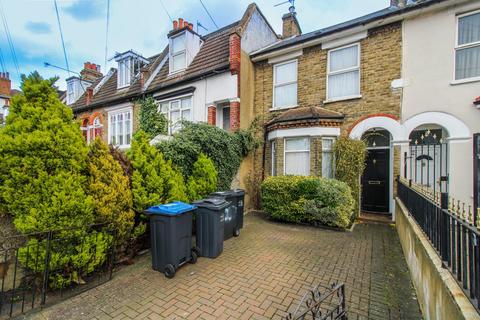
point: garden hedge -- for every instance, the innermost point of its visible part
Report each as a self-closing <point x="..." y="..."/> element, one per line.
<point x="312" y="200"/>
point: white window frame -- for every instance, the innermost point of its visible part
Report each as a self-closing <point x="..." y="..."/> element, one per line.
<point x="70" y="92"/>
<point x="275" y="85"/>
<point x="173" y="54"/>
<point x="273" y="148"/>
<point x="124" y="73"/>
<point x="168" y="113"/>
<point x="359" y="95"/>
<point x="295" y="151"/>
<point x="117" y="112"/>
<point x="463" y="46"/>
<point x="325" y="150"/>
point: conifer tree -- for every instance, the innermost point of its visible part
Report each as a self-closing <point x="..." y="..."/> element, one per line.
<point x="110" y="189"/>
<point x="43" y="158"/>
<point x="154" y="181"/>
<point x="203" y="180"/>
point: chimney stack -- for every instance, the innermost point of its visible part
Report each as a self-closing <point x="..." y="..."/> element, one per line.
<point x="182" y="24"/>
<point x="5" y="84"/>
<point x="91" y="72"/>
<point x="291" y="27"/>
<point x="89" y="95"/>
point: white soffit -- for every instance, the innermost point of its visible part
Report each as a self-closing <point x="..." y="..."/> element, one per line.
<point x="335" y="43"/>
<point x="304" y="132"/>
<point x="286" y="57"/>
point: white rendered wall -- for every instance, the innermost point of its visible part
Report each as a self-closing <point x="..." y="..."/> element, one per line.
<point x="428" y="73"/>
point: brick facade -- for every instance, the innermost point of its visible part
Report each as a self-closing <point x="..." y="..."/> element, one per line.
<point x="234" y="115"/>
<point x="380" y="64"/>
<point x="212" y="115"/>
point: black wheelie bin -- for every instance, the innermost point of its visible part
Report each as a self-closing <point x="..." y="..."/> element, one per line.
<point x="209" y="219"/>
<point x="234" y="218"/>
<point x="171" y="236"/>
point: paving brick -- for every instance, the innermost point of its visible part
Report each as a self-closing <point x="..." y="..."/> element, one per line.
<point x="260" y="275"/>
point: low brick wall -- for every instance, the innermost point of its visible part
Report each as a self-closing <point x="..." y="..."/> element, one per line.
<point x="439" y="296"/>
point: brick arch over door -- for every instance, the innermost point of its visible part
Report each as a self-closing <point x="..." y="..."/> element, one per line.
<point x="384" y="121"/>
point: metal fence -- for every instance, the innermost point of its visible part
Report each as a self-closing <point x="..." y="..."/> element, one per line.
<point x="42" y="268"/>
<point x="321" y="303"/>
<point x="452" y="232"/>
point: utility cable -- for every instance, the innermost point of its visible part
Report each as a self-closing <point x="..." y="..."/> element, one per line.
<point x="211" y="18"/>
<point x="61" y="36"/>
<point x="106" y="34"/>
<point x="9" y="40"/>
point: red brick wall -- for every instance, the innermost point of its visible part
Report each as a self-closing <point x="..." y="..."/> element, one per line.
<point x="234" y="53"/>
<point x="234" y="115"/>
<point x="5" y="85"/>
<point x="212" y="115"/>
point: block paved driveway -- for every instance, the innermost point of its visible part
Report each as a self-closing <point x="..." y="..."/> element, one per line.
<point x="260" y="275"/>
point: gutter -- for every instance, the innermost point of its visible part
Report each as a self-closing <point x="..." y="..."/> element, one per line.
<point x="388" y="18"/>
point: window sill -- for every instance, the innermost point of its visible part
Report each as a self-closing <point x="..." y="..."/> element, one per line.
<point x="122" y="147"/>
<point x="462" y="81"/>
<point x="343" y="99"/>
<point x="173" y="73"/>
<point x="282" y="108"/>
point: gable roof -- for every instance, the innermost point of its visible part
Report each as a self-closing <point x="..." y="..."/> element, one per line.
<point x="212" y="58"/>
<point x="371" y="17"/>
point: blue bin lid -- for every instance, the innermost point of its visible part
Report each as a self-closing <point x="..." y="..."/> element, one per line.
<point x="171" y="209"/>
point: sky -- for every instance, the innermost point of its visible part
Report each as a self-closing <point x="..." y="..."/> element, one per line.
<point x="141" y="25"/>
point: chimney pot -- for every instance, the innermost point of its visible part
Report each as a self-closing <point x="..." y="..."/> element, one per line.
<point x="190" y="26"/>
<point x="175" y="25"/>
<point x="180" y="23"/>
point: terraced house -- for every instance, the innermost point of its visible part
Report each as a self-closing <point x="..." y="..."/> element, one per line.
<point x="196" y="78"/>
<point x="311" y="88"/>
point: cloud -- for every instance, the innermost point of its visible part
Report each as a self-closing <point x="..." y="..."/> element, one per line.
<point x="83" y="10"/>
<point x="38" y="27"/>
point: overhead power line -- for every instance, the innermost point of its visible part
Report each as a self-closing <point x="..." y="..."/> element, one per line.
<point x="166" y="11"/>
<point x="9" y="40"/>
<point x="2" y="63"/>
<point x="206" y="10"/>
<point x="61" y="36"/>
<point x="106" y="34"/>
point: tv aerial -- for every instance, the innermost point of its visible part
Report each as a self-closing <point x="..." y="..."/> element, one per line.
<point x="291" y="9"/>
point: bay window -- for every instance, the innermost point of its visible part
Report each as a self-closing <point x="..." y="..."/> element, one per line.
<point x="178" y="53"/>
<point x="327" y="157"/>
<point x="467" y="49"/>
<point x="175" y="111"/>
<point x="120" y="128"/>
<point x="297" y="156"/>
<point x="285" y="84"/>
<point x="343" y="72"/>
<point x="274" y="159"/>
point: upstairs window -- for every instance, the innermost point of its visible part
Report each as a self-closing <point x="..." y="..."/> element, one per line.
<point x="297" y="156"/>
<point x="124" y="73"/>
<point x="467" y="49"/>
<point x="285" y="84"/>
<point x="175" y="111"/>
<point x="178" y="53"/>
<point x="343" y="79"/>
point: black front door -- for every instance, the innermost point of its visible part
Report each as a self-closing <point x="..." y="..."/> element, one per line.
<point x="375" y="181"/>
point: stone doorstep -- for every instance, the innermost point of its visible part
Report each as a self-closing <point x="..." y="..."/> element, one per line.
<point x="454" y="289"/>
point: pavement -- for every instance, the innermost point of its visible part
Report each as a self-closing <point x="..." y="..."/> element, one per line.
<point x="262" y="274"/>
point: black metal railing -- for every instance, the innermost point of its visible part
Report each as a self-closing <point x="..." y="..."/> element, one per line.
<point x="321" y="303"/>
<point x="452" y="234"/>
<point x="42" y="268"/>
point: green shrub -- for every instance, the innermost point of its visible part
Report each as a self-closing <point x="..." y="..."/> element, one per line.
<point x="203" y="180"/>
<point x="308" y="199"/>
<point x="110" y="189"/>
<point x="225" y="149"/>
<point x="43" y="180"/>
<point x="154" y="180"/>
<point x="350" y="164"/>
<point x="152" y="122"/>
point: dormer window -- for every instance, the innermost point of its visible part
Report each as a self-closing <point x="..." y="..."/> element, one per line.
<point x="178" y="53"/>
<point x="75" y="88"/>
<point x="129" y="65"/>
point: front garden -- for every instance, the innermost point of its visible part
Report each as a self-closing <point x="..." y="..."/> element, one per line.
<point x="77" y="208"/>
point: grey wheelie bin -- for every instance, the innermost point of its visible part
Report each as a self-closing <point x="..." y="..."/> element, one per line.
<point x="171" y="236"/>
<point x="234" y="218"/>
<point x="210" y="218"/>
